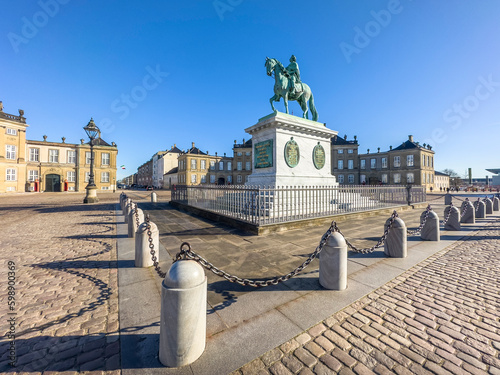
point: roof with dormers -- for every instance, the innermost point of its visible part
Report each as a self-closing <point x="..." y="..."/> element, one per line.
<point x="339" y="141"/>
<point x="174" y="150"/>
<point x="195" y="151"/>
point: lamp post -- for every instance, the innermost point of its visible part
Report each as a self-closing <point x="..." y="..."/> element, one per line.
<point x="114" y="184"/>
<point x="92" y="131"/>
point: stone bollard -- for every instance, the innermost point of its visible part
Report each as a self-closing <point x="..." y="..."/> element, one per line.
<point x="430" y="231"/>
<point x="489" y="206"/>
<point x="123" y="202"/>
<point x="496" y="204"/>
<point x="395" y="245"/>
<point x="142" y="250"/>
<point x="333" y="263"/>
<point x="453" y="222"/>
<point x="154" y="197"/>
<point x="128" y="206"/>
<point x="132" y="221"/>
<point x="469" y="216"/>
<point x="481" y="209"/>
<point x="183" y="319"/>
<point x="448" y="199"/>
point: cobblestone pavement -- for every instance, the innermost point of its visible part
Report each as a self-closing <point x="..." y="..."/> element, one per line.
<point x="66" y="301"/>
<point x="439" y="317"/>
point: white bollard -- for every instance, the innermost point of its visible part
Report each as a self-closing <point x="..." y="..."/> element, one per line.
<point x="453" y="222"/>
<point x="468" y="215"/>
<point x="333" y="263"/>
<point x="448" y="198"/>
<point x="489" y="206"/>
<point x="395" y="245"/>
<point x="430" y="231"/>
<point x="154" y="197"/>
<point x="128" y="207"/>
<point x="481" y="209"/>
<point x="183" y="319"/>
<point x="132" y="221"/>
<point x="496" y="204"/>
<point x="142" y="250"/>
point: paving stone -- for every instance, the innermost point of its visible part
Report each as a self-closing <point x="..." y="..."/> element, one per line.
<point x="271" y="356"/>
<point x="305" y="357"/>
<point x="331" y="362"/>
<point x="343" y="357"/>
<point x="292" y="363"/>
<point x="279" y="368"/>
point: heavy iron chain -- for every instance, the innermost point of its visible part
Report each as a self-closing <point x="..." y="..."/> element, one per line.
<point x="476" y="204"/>
<point x="422" y="224"/>
<point x="435" y="199"/>
<point x="187" y="253"/>
<point x="379" y="243"/>
<point x="152" y="249"/>
<point x="465" y="207"/>
<point x="447" y="216"/>
<point x="137" y="216"/>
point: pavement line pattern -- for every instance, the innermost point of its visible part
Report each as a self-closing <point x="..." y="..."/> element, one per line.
<point x="440" y="317"/>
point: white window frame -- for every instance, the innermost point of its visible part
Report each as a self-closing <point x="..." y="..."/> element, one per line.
<point x="350" y="178"/>
<point x="373" y="163"/>
<point x="203" y="179"/>
<point x="397" y="178"/>
<point x="11" y="174"/>
<point x="362" y="179"/>
<point x="397" y="161"/>
<point x="203" y="164"/>
<point x="409" y="161"/>
<point x="221" y="165"/>
<point x="88" y="157"/>
<point x="363" y="164"/>
<point x="350" y="151"/>
<point x="239" y="153"/>
<point x="384" y="178"/>
<point x="350" y="164"/>
<point x="193" y="178"/>
<point x="193" y="164"/>
<point x="10" y="152"/>
<point x="34" y="154"/>
<point x="340" y="151"/>
<point x="212" y="165"/>
<point x="106" y="158"/>
<point x="341" y="178"/>
<point x="53" y="155"/>
<point x="247" y="153"/>
<point x="239" y="165"/>
<point x="384" y="162"/>
<point x="340" y="164"/>
<point x="238" y="179"/>
<point x="11" y="131"/>
<point x="71" y="176"/>
<point x="410" y="178"/>
<point x="229" y="165"/>
<point x="248" y="165"/>
<point x="71" y="156"/>
<point x="32" y="175"/>
<point x="104" y="176"/>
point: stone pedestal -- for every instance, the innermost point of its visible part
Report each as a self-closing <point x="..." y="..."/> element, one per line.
<point x="183" y="319"/>
<point x="489" y="206"/>
<point x="154" y="197"/>
<point x="142" y="250"/>
<point x="333" y="263"/>
<point x="430" y="231"/>
<point x="395" y="245"/>
<point x="128" y="207"/>
<point x="480" y="209"/>
<point x="448" y="198"/>
<point x="496" y="204"/>
<point x="453" y="222"/>
<point x="91" y="196"/>
<point x="291" y="151"/>
<point x="467" y="212"/>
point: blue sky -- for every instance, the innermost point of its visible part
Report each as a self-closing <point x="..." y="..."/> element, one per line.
<point x="153" y="74"/>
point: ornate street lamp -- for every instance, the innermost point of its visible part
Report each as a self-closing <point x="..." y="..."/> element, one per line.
<point x="92" y="131"/>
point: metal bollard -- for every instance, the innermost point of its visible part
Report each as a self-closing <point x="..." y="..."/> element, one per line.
<point x="183" y="319"/>
<point x="132" y="221"/>
<point x="481" y="210"/>
<point x="333" y="263"/>
<point x="154" y="197"/>
<point x="430" y="231"/>
<point x="453" y="222"/>
<point x="142" y="250"/>
<point x="496" y="204"/>
<point x="395" y="245"/>
<point x="469" y="216"/>
<point x="448" y="198"/>
<point x="489" y="206"/>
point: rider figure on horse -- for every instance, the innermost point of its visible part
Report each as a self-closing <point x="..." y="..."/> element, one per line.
<point x="293" y="70"/>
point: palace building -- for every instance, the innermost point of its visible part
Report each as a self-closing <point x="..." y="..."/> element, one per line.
<point x="29" y="165"/>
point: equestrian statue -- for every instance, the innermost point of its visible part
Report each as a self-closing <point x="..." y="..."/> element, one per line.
<point x="289" y="86"/>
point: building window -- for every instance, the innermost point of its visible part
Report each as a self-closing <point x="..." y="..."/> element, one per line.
<point x="221" y="166"/>
<point x="340" y="151"/>
<point x="238" y="179"/>
<point x="341" y="178"/>
<point x="11" y="131"/>
<point x="350" y="151"/>
<point x="340" y="164"/>
<point x="193" y="179"/>
<point x="363" y="164"/>
<point x="428" y="161"/>
<point x="87" y="176"/>
<point x="203" y="178"/>
<point x="247" y="153"/>
<point x="212" y="165"/>
<point x="193" y="164"/>
<point x="397" y="178"/>
<point x="373" y="163"/>
<point x="397" y="161"/>
<point x="239" y="166"/>
<point x="212" y="179"/>
<point x="350" y="178"/>
<point x="410" y="178"/>
<point x="72" y="157"/>
<point x="104" y="176"/>
<point x="71" y="176"/>
<point x="239" y="153"/>
<point x="105" y="158"/>
<point x="53" y="156"/>
<point x="11" y="174"/>
<point x="34" y="154"/>
<point x="432" y="162"/>
<point x="230" y="179"/>
<point x="10" y="152"/>
<point x="384" y="178"/>
<point x="409" y="160"/>
<point x="32" y="175"/>
<point x="87" y="157"/>
<point x="203" y="165"/>
<point x="350" y="164"/>
<point x="229" y="165"/>
<point x="248" y="165"/>
<point x="384" y="162"/>
<point x="362" y="179"/>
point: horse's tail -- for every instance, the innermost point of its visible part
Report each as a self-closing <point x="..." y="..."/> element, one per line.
<point x="313" y="108"/>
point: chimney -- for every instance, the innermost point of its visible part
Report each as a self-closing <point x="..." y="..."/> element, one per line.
<point x="378" y="149"/>
<point x="355" y="137"/>
<point x="368" y="151"/>
<point x="410" y="138"/>
<point x="345" y="136"/>
<point x="192" y="144"/>
<point x="390" y="147"/>
<point x="63" y="139"/>
<point x="45" y="138"/>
